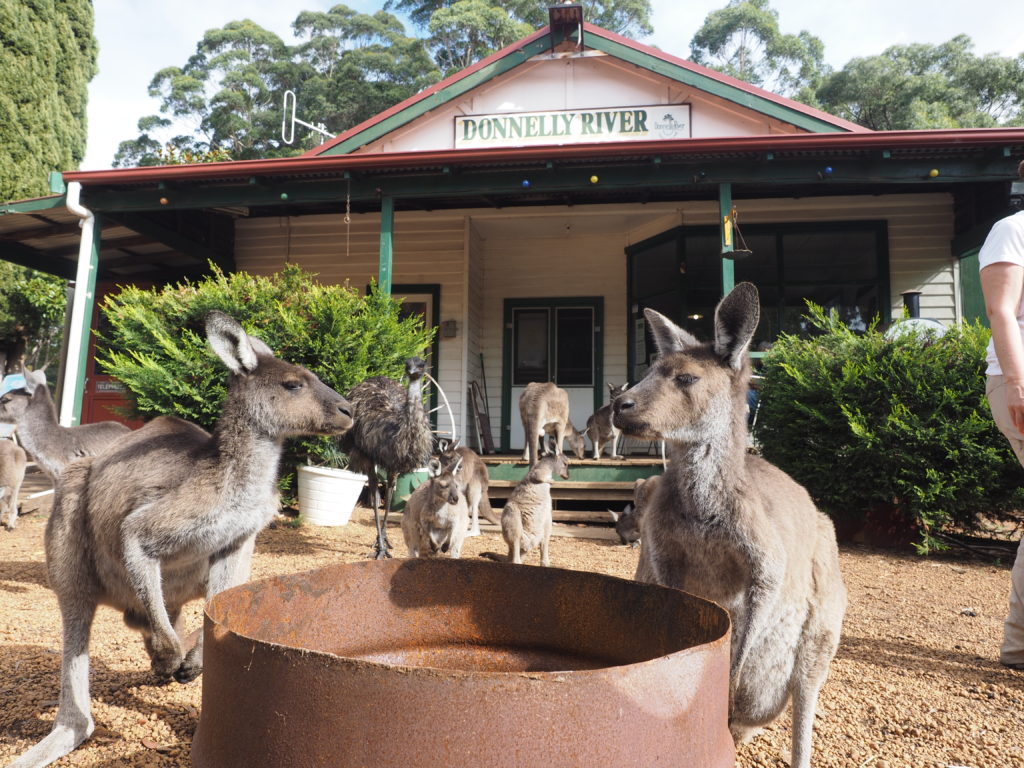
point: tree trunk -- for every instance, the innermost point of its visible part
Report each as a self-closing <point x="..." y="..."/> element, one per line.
<point x="12" y="355"/>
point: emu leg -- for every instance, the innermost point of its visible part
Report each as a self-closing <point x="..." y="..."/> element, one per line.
<point x="379" y="545"/>
<point x="383" y="541"/>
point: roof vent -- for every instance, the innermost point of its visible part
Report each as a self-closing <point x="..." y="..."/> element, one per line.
<point x="566" y="23"/>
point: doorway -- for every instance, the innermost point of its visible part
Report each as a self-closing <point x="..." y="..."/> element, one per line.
<point x="552" y="339"/>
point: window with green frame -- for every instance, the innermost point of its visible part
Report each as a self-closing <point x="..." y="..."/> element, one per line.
<point x="842" y="266"/>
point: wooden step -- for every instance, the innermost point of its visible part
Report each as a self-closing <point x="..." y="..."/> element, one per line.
<point x="561" y="529"/>
<point x="569" y="490"/>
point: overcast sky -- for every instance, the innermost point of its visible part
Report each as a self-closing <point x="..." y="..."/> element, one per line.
<point x="137" y="38"/>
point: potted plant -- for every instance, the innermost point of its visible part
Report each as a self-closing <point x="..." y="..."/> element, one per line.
<point x="328" y="492"/>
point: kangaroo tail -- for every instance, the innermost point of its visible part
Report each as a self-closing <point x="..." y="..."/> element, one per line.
<point x="487" y="511"/>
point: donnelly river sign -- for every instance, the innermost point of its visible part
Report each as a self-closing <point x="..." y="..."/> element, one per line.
<point x="576" y="126"/>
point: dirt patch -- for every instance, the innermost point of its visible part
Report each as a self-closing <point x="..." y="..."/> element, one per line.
<point x="916" y="681"/>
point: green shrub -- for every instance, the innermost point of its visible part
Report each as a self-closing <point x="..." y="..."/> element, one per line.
<point x="896" y="433"/>
<point x="154" y="341"/>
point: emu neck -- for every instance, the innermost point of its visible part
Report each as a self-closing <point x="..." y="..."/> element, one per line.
<point x="39" y="431"/>
<point x="414" y="397"/>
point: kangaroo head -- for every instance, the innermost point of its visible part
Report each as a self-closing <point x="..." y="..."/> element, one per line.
<point x="561" y="465"/>
<point x="443" y="483"/>
<point x="576" y="443"/>
<point x="17" y="391"/>
<point x="693" y="391"/>
<point x="616" y="390"/>
<point x="275" y="398"/>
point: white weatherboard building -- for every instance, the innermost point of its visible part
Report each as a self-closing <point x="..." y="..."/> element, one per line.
<point x="535" y="203"/>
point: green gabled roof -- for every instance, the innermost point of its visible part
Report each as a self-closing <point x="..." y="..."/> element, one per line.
<point x="596" y="38"/>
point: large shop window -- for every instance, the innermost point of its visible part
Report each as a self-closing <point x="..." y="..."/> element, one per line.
<point x="842" y="266"/>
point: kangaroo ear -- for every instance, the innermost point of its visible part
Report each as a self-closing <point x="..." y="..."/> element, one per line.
<point x="33" y="379"/>
<point x="668" y="337"/>
<point x="434" y="467"/>
<point x="736" y="319"/>
<point x="233" y="345"/>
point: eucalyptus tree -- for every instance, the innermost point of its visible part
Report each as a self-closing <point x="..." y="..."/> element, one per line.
<point x="225" y="97"/>
<point x="227" y="100"/>
<point x="351" y="66"/>
<point x="743" y="40"/>
<point x="631" y="18"/>
<point x="928" y="86"/>
<point x="469" y="30"/>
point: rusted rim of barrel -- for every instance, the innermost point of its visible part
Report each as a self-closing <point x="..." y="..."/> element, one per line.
<point x="216" y="607"/>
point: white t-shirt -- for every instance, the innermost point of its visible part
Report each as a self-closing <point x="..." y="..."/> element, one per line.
<point x="1005" y="242"/>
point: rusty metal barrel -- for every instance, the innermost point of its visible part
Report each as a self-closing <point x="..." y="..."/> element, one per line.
<point x="452" y="663"/>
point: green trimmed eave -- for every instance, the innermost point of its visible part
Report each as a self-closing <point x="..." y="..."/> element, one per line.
<point x="441" y="97"/>
<point x="35" y="205"/>
<point x="172" y="239"/>
<point x="864" y="175"/>
<point x="16" y="253"/>
<point x="710" y="85"/>
<point x="23" y="255"/>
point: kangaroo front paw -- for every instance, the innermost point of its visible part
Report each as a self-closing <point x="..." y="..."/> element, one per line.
<point x="188" y="671"/>
<point x="165" y="662"/>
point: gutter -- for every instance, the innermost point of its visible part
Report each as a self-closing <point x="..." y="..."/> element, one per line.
<point x="74" y="365"/>
<point x="240" y="170"/>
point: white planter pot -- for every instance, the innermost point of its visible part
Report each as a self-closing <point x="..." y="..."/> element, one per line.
<point x="327" y="496"/>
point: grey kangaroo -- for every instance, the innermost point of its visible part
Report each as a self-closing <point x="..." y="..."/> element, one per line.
<point x="436" y="516"/>
<point x="472" y="475"/>
<point x="627" y="522"/>
<point x="12" y="474"/>
<point x="526" y="518"/>
<point x="728" y="526"/>
<point x="600" y="428"/>
<point x="49" y="444"/>
<point x="544" y="409"/>
<point x="169" y="514"/>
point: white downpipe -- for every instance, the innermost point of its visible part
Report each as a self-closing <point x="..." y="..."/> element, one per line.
<point x="78" y="307"/>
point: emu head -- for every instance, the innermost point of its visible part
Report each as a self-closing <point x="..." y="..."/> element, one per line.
<point x="415" y="367"/>
<point x="693" y="391"/>
<point x="275" y="398"/>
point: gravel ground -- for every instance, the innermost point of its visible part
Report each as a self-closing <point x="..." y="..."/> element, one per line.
<point x="915" y="682"/>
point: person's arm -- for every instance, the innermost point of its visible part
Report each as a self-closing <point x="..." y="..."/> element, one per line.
<point x="1002" y="284"/>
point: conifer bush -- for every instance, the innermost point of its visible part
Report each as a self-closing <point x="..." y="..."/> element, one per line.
<point x="892" y="433"/>
<point x="154" y="341"/>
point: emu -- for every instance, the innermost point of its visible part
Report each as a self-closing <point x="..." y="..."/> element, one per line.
<point x="169" y="514"/>
<point x="51" y="446"/>
<point x="436" y="515"/>
<point x="730" y="527"/>
<point x="391" y="433"/>
<point x="12" y="473"/>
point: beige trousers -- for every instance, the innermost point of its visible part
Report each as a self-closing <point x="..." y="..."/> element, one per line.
<point x="1012" y="650"/>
